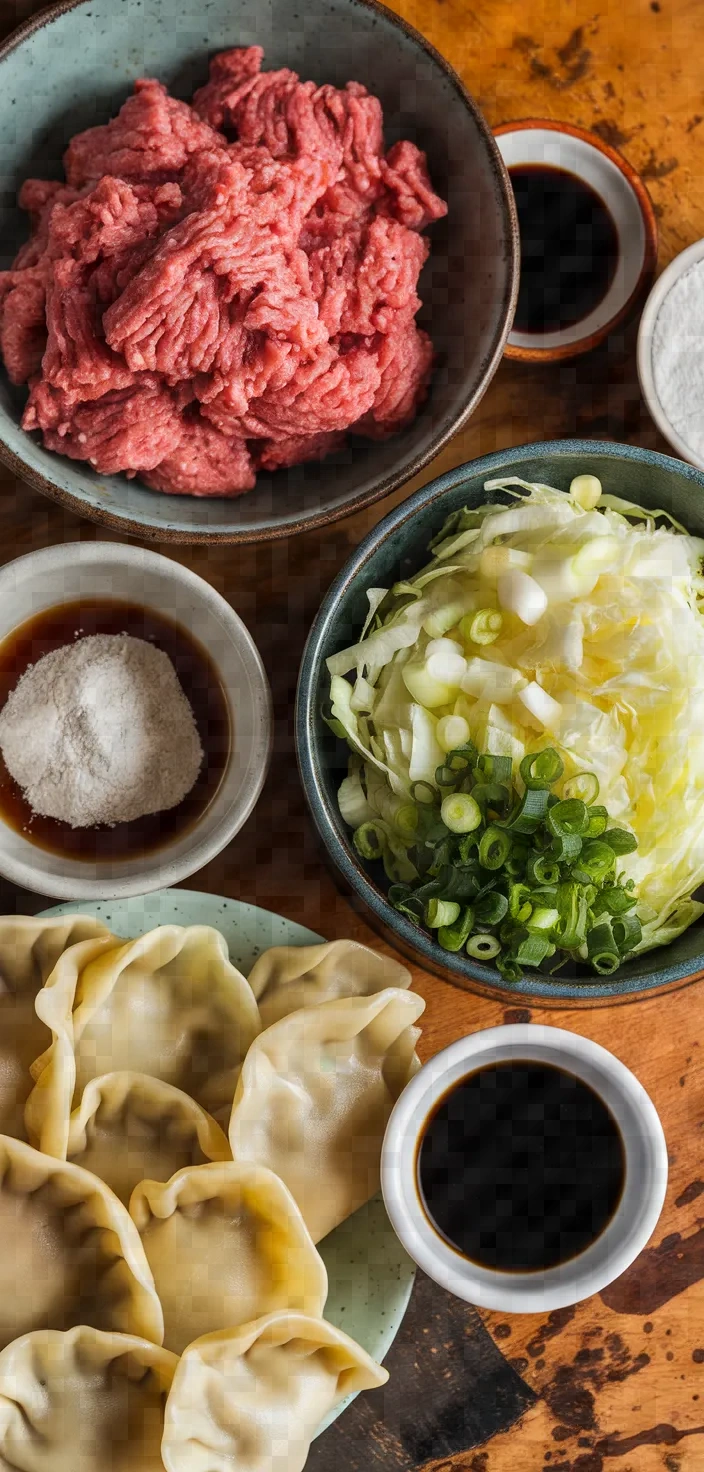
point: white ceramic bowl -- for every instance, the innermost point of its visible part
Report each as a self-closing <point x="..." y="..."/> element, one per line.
<point x="629" y="1229"/>
<point x="584" y="154"/>
<point x="646" y="334"/>
<point x="76" y="570"/>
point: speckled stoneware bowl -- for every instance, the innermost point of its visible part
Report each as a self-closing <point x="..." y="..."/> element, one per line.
<point x="396" y="548"/>
<point x="72" y="67"/>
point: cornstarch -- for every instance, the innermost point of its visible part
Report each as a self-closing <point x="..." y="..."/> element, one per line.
<point x="100" y="731"/>
<point x="678" y="357"/>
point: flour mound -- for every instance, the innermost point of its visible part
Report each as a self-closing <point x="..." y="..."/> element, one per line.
<point x="100" y="731"/>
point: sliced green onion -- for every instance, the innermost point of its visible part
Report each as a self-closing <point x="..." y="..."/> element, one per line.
<point x="453" y="937"/>
<point x="482" y="627"/>
<point x="614" y="900"/>
<point x="566" y="848"/>
<point x="602" y="950"/>
<point x="460" y="813"/>
<point x="542" y="920"/>
<point x="533" y="950"/>
<point x="597" y="859"/>
<point x="585" y="489"/>
<point x="491" y="909"/>
<point x="620" y="840"/>
<point x="441" y="912"/>
<point x="467" y="848"/>
<point x="519" y="902"/>
<point x="529" y="812"/>
<point x="542" y="869"/>
<point x="459" y="758"/>
<point x="369" y="840"/>
<point x="598" y="819"/>
<point x="445" y="776"/>
<point x="451" y="732"/>
<point x="584" y="785"/>
<point x="517" y="860"/>
<point x="573" y="910"/>
<point x="569" y="818"/>
<point x="494" y="768"/>
<point x="492" y="795"/>
<point x="423" y="792"/>
<point x="402" y="897"/>
<point x="541" y="769"/>
<point x="494" y="848"/>
<point x="509" y="968"/>
<point x="627" y="933"/>
<point x="483" y="947"/>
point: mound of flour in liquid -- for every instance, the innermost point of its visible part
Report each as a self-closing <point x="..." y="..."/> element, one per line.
<point x="100" y="731"/>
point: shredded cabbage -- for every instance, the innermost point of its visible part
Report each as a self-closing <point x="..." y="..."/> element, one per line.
<point x="620" y="648"/>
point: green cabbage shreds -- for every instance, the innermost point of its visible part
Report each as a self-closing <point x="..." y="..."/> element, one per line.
<point x="514" y="877"/>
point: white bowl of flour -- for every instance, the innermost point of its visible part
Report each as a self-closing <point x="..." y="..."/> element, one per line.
<point x="671" y="354"/>
<point x="103" y="570"/>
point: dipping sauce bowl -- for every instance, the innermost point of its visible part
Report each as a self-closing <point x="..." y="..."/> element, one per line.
<point x="610" y="1253"/>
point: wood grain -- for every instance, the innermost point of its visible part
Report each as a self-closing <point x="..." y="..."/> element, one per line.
<point x="619" y="1382"/>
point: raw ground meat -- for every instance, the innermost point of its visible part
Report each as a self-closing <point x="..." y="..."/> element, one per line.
<point x="223" y="287"/>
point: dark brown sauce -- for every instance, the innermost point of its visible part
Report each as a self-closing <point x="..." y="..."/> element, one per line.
<point x="201" y="685"/>
<point x="520" y="1167"/>
<point x="569" y="248"/>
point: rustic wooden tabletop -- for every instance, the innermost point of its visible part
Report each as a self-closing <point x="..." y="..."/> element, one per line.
<point x="617" y="1382"/>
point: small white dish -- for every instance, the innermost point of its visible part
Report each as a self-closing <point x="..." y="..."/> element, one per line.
<point x="584" y="154"/>
<point x="75" y="570"/>
<point x="628" y="1231"/>
<point x="646" y="336"/>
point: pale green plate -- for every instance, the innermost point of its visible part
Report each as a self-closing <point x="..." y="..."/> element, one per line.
<point x="369" y="1273"/>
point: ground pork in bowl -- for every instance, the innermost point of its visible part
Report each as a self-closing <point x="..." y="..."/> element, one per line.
<point x="243" y="308"/>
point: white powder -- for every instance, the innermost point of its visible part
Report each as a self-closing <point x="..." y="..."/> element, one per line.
<point x="100" y="731"/>
<point x="678" y="358"/>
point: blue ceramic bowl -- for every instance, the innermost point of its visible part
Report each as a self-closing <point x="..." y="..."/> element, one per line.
<point x="73" y="66"/>
<point x="396" y="548"/>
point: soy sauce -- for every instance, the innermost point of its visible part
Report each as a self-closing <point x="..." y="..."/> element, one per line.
<point x="200" y="683"/>
<point x="520" y="1167"/>
<point x="569" y="248"/>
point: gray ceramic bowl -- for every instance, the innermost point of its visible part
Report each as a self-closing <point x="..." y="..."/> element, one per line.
<point x="72" y="67"/>
<point x="398" y="547"/>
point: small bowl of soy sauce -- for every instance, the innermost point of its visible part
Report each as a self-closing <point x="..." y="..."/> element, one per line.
<point x="588" y="238"/>
<point x="524" y="1168"/>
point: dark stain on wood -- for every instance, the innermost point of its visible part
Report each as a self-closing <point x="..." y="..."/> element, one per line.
<point x="571" y="1403"/>
<point x="690" y="1193"/>
<point x="554" y="1324"/>
<point x="502" y="1331"/>
<point x="572" y="65"/>
<point x="694" y="122"/>
<point x="658" y="168"/>
<point x="430" y="1409"/>
<point x="658" y="1275"/>
<point x="661" y="1435"/>
<point x="514" y="1015"/>
<point x="610" y="132"/>
<point x="575" y="57"/>
<point x="698" y="1356"/>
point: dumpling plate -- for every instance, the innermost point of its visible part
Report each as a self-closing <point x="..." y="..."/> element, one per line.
<point x="370" y="1274"/>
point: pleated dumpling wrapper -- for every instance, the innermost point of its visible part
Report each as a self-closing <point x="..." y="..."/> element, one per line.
<point x="286" y="978"/>
<point x="83" y="1401"/>
<point x="252" y="1399"/>
<point x="29" y="951"/>
<point x="169" y="1004"/>
<point x="130" y="1127"/>
<point x="71" y="1254"/>
<point x="226" y="1243"/>
<point x="315" y="1094"/>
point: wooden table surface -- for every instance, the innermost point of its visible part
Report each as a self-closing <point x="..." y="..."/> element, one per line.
<point x="617" y="1382"/>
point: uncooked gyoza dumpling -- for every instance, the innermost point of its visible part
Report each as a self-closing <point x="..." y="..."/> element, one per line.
<point x="83" y="1401"/>
<point x="315" y="1094"/>
<point x="252" y="1399"/>
<point x="70" y="1253"/>
<point x="288" y="977"/>
<point x="169" y="1004"/>
<point x="29" y="950"/>
<point x="130" y="1127"/>
<point x="225" y="1243"/>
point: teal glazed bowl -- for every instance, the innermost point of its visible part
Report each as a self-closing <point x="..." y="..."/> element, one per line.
<point x="72" y="67"/>
<point x="395" y="549"/>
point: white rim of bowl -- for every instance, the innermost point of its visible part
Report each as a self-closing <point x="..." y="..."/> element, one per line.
<point x="171" y="871"/>
<point x="644" y="353"/>
<point x="576" y="1279"/>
